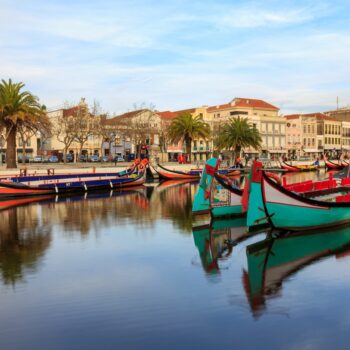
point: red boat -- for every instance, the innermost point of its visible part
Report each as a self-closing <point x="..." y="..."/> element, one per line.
<point x="298" y="168"/>
<point x="193" y="174"/>
<point x="334" y="166"/>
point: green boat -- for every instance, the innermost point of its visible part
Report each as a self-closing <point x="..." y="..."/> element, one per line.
<point x="215" y="241"/>
<point x="217" y="194"/>
<point x="272" y="260"/>
<point x="287" y="210"/>
<point x="201" y="203"/>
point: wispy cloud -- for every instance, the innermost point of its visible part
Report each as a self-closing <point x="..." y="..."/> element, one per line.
<point x="178" y="54"/>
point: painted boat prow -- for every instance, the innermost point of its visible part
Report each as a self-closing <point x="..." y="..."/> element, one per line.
<point x="256" y="216"/>
<point x="201" y="200"/>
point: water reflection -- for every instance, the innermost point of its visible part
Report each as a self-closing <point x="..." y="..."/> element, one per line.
<point x="215" y="241"/>
<point x="272" y="260"/>
<point x="24" y="239"/>
<point x="175" y="200"/>
<point x="26" y="225"/>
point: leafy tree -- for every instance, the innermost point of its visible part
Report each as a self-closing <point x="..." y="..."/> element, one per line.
<point x="18" y="108"/>
<point x="185" y="128"/>
<point x="237" y="133"/>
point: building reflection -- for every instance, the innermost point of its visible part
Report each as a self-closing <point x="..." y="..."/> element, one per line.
<point x="27" y="223"/>
<point x="272" y="260"/>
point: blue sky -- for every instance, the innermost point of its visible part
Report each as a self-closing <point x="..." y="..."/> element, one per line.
<point x="179" y="54"/>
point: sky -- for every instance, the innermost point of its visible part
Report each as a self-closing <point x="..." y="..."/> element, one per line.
<point x="178" y="54"/>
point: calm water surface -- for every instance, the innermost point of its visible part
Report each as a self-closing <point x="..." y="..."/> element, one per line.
<point x="126" y="271"/>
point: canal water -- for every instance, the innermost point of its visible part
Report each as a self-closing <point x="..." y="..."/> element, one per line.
<point x="126" y="270"/>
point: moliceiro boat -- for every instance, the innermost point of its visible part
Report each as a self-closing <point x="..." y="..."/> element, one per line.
<point x="194" y="174"/>
<point x="287" y="210"/>
<point x="81" y="183"/>
<point x="297" y="168"/>
<point x="51" y="176"/>
<point x="217" y="194"/>
<point x="334" y="166"/>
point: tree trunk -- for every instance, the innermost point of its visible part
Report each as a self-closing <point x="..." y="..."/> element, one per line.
<point x="65" y="150"/>
<point x="23" y="151"/>
<point x="11" y="147"/>
<point x="80" y="148"/>
<point x="188" y="143"/>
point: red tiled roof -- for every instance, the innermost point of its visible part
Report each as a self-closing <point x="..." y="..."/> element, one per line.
<point x="167" y="115"/>
<point x="213" y="108"/>
<point x="292" y="116"/>
<point x="244" y="102"/>
<point x="70" y="111"/>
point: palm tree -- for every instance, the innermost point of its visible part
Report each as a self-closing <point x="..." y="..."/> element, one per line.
<point x="18" y="108"/>
<point x="238" y="133"/>
<point x="185" y="127"/>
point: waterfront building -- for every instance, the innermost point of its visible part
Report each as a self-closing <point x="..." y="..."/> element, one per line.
<point x="27" y="144"/>
<point x="134" y="133"/>
<point x="341" y="114"/>
<point x="312" y="135"/>
<point x="262" y="116"/>
<point x="76" y="123"/>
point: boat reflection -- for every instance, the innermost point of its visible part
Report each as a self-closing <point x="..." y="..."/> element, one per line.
<point x="274" y="259"/>
<point x="27" y="223"/>
<point x="175" y="200"/>
<point x="216" y="240"/>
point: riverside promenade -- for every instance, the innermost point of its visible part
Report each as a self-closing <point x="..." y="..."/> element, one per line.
<point x="61" y="168"/>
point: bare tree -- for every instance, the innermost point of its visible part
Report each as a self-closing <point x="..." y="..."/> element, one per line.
<point x="65" y="133"/>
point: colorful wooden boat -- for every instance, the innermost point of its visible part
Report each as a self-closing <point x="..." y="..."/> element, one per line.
<point x="74" y="184"/>
<point x="225" y="197"/>
<point x="194" y="174"/>
<point x="332" y="165"/>
<point x="287" y="210"/>
<point x="201" y="203"/>
<point x="274" y="259"/>
<point x="297" y="168"/>
<point x="54" y="177"/>
<point x="213" y="197"/>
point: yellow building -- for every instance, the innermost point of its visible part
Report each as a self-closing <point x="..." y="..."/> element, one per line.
<point x="262" y="115"/>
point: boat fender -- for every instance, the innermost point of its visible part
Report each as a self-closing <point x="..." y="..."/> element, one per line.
<point x="274" y="176"/>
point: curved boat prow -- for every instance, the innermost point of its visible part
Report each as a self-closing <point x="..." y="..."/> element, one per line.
<point x="256" y="217"/>
<point x="201" y="199"/>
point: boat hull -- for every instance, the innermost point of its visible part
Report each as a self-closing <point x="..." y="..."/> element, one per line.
<point x="298" y="168"/>
<point x="22" y="190"/>
<point x="289" y="211"/>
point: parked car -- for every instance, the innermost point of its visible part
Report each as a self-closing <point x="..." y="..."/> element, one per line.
<point x="83" y="158"/>
<point x="69" y="157"/>
<point x="20" y="159"/>
<point x="53" y="159"/>
<point x="105" y="159"/>
<point x="38" y="159"/>
<point x="94" y="158"/>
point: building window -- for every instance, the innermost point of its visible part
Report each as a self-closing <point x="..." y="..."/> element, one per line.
<point x="238" y="113"/>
